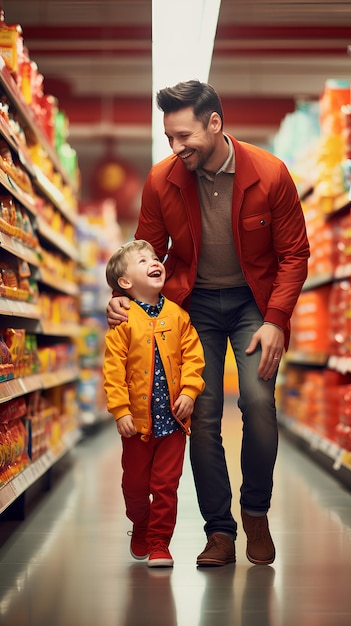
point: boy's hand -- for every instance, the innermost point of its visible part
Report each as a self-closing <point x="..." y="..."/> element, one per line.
<point x="183" y="407"/>
<point x="116" y="310"/>
<point x="125" y="426"/>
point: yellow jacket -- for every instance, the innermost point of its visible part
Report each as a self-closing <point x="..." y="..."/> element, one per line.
<point x="129" y="362"/>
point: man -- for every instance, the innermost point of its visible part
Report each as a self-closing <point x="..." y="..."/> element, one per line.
<point x="226" y="219"/>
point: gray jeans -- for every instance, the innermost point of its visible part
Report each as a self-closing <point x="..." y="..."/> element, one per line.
<point x="218" y="315"/>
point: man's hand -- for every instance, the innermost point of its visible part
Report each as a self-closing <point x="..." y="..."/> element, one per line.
<point x="271" y="339"/>
<point x="116" y="311"/>
<point x="125" y="426"/>
<point x="183" y="406"/>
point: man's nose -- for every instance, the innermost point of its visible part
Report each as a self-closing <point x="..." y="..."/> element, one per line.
<point x="177" y="146"/>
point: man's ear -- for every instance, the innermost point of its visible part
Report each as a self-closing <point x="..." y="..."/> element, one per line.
<point x="215" y="122"/>
<point x="124" y="283"/>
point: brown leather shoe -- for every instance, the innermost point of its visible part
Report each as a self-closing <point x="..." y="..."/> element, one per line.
<point x="260" y="548"/>
<point x="219" y="550"/>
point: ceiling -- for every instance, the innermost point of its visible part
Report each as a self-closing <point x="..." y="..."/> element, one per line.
<point x="96" y="59"/>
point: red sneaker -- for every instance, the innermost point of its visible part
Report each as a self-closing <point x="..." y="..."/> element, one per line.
<point x="159" y="555"/>
<point x="138" y="545"/>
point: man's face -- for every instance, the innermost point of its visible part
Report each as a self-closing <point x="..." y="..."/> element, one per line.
<point x="189" y="140"/>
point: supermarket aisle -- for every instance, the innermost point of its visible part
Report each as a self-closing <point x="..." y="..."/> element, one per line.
<point x="68" y="563"/>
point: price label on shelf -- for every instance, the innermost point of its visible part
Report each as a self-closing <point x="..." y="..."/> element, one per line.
<point x="345" y="458"/>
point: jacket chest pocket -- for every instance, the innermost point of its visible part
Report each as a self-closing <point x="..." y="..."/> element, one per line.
<point x="256" y="233"/>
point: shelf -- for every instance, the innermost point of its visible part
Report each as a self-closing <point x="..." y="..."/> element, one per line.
<point x="342" y="272"/>
<point x="302" y="358"/>
<point x="18" y="308"/>
<point x="46" y="187"/>
<point x="19" y="148"/>
<point x="16" y="387"/>
<point x="17" y="248"/>
<point x="59" y="330"/>
<point x="340" y="204"/>
<point x="28" y="314"/>
<point x="56" y="239"/>
<point x="317" y="281"/>
<point x="20" y="483"/>
<point x="54" y="195"/>
<point x="90" y="418"/>
<point x="56" y="282"/>
<point x="339" y="457"/>
<point x="341" y="364"/>
<point x="24" y="198"/>
<point x="26" y="114"/>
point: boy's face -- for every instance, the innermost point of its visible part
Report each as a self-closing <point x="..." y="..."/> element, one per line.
<point x="145" y="274"/>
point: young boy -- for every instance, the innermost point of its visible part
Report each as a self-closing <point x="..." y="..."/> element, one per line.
<point x="152" y="375"/>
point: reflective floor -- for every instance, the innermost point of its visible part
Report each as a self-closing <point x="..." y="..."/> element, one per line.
<point x="68" y="562"/>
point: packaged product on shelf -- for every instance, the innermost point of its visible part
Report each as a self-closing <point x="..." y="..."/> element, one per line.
<point x="15" y="340"/>
<point x="311" y="323"/>
<point x="9" y="276"/>
<point x="7" y="367"/>
<point x="343" y="436"/>
<point x="346" y="128"/>
<point x="89" y="384"/>
<point x="11" y="165"/>
<point x="8" y="216"/>
<point x="62" y="402"/>
<point x="340" y="318"/>
<point x="13" y="439"/>
<point x="11" y="44"/>
<point x="336" y="94"/>
<point x="15" y="222"/>
<point x="11" y="282"/>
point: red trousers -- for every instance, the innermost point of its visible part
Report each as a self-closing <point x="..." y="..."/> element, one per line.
<point x="151" y="474"/>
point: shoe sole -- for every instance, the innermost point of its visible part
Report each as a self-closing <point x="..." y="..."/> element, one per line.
<point x="257" y="562"/>
<point x="160" y="563"/>
<point x="138" y="558"/>
<point x="214" y="562"/>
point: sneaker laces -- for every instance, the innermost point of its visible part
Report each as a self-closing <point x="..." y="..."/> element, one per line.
<point x="138" y="535"/>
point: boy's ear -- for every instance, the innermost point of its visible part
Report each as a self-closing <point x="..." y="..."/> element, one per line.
<point x="124" y="283"/>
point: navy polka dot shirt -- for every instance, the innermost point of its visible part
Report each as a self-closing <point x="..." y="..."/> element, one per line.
<point x="162" y="418"/>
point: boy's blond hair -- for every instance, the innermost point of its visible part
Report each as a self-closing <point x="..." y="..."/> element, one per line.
<point x="117" y="265"/>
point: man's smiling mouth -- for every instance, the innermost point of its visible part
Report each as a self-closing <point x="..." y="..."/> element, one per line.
<point x="186" y="155"/>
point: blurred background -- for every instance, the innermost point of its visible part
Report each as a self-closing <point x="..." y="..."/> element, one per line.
<point x="96" y="59"/>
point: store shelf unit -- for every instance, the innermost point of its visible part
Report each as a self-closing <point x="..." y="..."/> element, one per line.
<point x="315" y="398"/>
<point x="329" y="454"/>
<point x="39" y="299"/>
<point x="91" y="345"/>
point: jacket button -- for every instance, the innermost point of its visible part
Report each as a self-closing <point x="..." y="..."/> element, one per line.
<point x="162" y="322"/>
<point x="262" y="222"/>
<point x="148" y="341"/>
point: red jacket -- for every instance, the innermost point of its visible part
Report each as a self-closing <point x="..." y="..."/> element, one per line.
<point x="268" y="229"/>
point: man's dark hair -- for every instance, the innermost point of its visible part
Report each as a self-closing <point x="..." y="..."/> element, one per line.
<point x="200" y="96"/>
